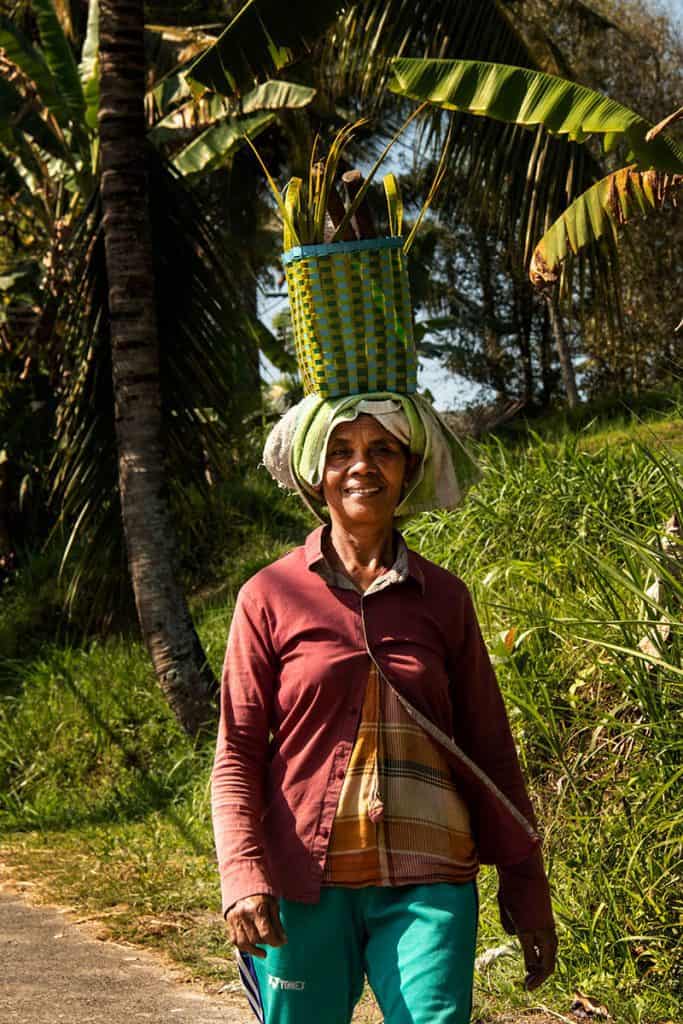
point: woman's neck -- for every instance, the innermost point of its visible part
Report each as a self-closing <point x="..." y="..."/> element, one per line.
<point x="365" y="554"/>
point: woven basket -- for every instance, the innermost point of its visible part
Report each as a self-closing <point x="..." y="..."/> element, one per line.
<point x="352" y="317"/>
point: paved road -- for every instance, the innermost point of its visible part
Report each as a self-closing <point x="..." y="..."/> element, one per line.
<point x="51" y="971"/>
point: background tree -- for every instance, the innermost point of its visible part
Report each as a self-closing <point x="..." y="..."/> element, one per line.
<point x="59" y="332"/>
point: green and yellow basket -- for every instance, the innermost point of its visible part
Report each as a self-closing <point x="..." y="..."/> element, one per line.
<point x="350" y="302"/>
<point x="352" y="316"/>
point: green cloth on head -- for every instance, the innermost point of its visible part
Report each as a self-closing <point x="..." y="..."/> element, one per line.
<point x="295" y="449"/>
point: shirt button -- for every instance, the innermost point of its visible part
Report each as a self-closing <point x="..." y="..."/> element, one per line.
<point x="324" y="832"/>
<point x="340" y="773"/>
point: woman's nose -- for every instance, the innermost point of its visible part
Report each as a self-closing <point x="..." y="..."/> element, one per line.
<point x="361" y="462"/>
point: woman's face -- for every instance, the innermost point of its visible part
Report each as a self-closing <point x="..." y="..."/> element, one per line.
<point x="365" y="469"/>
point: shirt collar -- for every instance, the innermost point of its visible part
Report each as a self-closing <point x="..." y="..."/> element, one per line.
<point x="405" y="567"/>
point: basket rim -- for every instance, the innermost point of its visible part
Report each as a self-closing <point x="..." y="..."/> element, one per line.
<point x="302" y="252"/>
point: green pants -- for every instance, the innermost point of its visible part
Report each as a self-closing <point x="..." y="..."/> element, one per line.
<point x="415" y="944"/>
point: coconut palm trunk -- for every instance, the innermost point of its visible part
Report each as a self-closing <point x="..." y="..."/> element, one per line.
<point x="179" y="662"/>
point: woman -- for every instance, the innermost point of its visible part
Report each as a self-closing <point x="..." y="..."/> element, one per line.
<point x="365" y="765"/>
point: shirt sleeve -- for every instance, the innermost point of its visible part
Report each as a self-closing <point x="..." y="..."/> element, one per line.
<point x="238" y="778"/>
<point x="482" y="729"/>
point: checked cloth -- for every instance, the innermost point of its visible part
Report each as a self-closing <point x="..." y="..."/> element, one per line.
<point x="399" y="820"/>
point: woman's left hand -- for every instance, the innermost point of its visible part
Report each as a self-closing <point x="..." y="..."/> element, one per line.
<point x="539" y="948"/>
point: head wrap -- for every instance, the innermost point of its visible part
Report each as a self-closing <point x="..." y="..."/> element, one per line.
<point x="295" y="449"/>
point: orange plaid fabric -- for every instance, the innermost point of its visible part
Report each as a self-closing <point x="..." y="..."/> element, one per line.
<point x="399" y="820"/>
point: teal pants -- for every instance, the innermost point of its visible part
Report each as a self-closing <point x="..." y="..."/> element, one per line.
<point x="415" y="944"/>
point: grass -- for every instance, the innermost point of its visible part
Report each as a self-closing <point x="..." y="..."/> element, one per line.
<point x="105" y="803"/>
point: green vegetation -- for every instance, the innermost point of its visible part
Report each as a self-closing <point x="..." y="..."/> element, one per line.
<point x="104" y="797"/>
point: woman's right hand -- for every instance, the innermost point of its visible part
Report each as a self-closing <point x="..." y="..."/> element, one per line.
<point x="255" y="919"/>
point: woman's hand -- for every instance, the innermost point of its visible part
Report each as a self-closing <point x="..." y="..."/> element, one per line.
<point x="539" y="948"/>
<point x="255" y="919"/>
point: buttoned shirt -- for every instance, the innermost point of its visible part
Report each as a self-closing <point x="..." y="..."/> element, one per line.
<point x="400" y="819"/>
<point x="293" y="685"/>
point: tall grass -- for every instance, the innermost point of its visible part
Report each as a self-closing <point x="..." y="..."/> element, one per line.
<point x="559" y="543"/>
<point x="560" y="546"/>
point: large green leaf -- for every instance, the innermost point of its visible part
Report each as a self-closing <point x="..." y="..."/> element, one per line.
<point x="19" y="50"/>
<point x="207" y="110"/>
<point x="263" y="37"/>
<point x="219" y="141"/>
<point x="277" y="95"/>
<point x="187" y="118"/>
<point x="521" y="96"/>
<point x="599" y="212"/>
<point x="89" y="66"/>
<point x="18" y="117"/>
<point x="60" y="58"/>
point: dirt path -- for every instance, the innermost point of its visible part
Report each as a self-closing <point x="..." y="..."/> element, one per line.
<point x="53" y="971"/>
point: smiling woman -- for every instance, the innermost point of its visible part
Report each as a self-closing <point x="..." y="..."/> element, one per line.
<point x="366" y="471"/>
<point x="364" y="765"/>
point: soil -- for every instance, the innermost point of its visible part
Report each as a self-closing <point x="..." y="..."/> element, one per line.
<point x="53" y="970"/>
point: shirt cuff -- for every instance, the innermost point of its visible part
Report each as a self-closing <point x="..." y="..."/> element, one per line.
<point x="524" y="896"/>
<point x="244" y="879"/>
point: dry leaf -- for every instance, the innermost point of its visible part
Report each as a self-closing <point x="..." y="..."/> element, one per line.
<point x="585" y="1008"/>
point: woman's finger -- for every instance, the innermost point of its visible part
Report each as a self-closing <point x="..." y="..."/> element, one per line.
<point x="250" y="926"/>
<point x="268" y="933"/>
<point x="245" y="943"/>
<point x="276" y="923"/>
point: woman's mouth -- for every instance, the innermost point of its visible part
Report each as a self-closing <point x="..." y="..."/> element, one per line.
<point x="361" y="492"/>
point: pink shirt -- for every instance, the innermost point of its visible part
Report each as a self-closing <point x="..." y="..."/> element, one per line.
<point x="294" y="677"/>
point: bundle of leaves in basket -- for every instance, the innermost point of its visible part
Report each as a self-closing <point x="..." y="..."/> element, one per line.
<point x="348" y="288"/>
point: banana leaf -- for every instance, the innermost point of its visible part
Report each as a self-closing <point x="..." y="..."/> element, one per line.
<point x="17" y="117"/>
<point x="219" y="141"/>
<point x="208" y="109"/>
<point x="189" y="117"/>
<point x="599" y="211"/>
<point x="60" y="59"/>
<point x="19" y="50"/>
<point x="277" y="95"/>
<point x="263" y="37"/>
<point x="524" y="97"/>
<point x="89" y="67"/>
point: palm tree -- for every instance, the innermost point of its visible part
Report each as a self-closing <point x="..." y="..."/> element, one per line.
<point x="167" y="627"/>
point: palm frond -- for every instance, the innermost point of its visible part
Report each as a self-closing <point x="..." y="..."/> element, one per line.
<point x="357" y="53"/>
<point x="262" y="38"/>
<point x="205" y="360"/>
